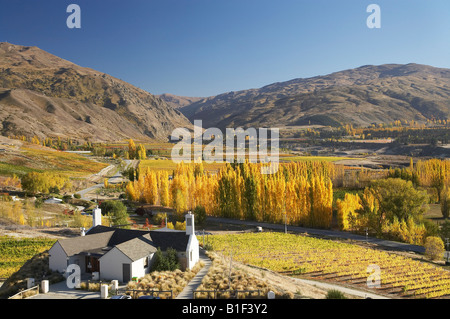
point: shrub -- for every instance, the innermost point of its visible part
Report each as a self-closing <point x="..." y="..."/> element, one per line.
<point x="167" y="262"/>
<point x="38" y="202"/>
<point x="180" y="225"/>
<point x="434" y="248"/>
<point x="77" y="196"/>
<point x="335" y="294"/>
<point x="226" y="282"/>
<point x="159" y="218"/>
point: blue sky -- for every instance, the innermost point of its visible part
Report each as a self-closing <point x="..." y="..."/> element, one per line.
<point x="207" y="47"/>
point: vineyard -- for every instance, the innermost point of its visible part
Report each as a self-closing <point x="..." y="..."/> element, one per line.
<point x="15" y="252"/>
<point x="38" y="159"/>
<point x="335" y="262"/>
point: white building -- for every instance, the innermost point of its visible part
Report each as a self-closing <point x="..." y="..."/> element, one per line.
<point x="121" y="254"/>
<point x="53" y="200"/>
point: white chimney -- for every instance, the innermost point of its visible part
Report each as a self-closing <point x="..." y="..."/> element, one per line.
<point x="190" y="230"/>
<point x="96" y="217"/>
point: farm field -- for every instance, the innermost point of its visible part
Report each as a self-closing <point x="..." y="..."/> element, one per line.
<point x="337" y="262"/>
<point x="33" y="158"/>
<point x="314" y="158"/>
<point x="169" y="165"/>
<point x="16" y="252"/>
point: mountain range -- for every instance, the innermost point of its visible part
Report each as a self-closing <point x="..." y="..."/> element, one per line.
<point x="361" y="96"/>
<point x="44" y="95"/>
<point x="47" y="96"/>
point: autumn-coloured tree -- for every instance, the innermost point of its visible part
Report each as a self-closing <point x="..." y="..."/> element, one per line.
<point x="11" y="182"/>
<point x="445" y="202"/>
<point x="346" y="209"/>
<point x="35" y="182"/>
<point x="130" y="191"/>
<point x="141" y="152"/>
<point x="298" y="193"/>
<point x="164" y="188"/>
<point x="131" y="149"/>
<point x="434" y="248"/>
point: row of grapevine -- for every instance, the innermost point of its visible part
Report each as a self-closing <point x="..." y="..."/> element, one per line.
<point x="329" y="260"/>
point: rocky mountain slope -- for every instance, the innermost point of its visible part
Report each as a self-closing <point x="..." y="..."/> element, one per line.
<point x="44" y="95"/>
<point x="361" y="96"/>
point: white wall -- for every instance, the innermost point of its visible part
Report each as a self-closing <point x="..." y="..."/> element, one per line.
<point x="192" y="252"/>
<point x="138" y="269"/>
<point x="58" y="258"/>
<point x="111" y="265"/>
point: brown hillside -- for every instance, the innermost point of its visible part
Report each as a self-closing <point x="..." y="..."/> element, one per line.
<point x="178" y="101"/>
<point x="48" y="89"/>
<point x="362" y="96"/>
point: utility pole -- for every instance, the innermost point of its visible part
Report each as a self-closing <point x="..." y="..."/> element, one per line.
<point x="285" y="223"/>
<point x="447" y="243"/>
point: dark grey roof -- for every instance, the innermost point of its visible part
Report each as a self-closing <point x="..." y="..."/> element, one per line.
<point x="120" y="235"/>
<point x="135" y="244"/>
<point x="166" y="239"/>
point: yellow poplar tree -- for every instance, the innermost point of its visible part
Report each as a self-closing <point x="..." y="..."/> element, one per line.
<point x="346" y="210"/>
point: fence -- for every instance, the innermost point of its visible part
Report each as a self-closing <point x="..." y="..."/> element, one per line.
<point x="165" y="294"/>
<point x="27" y="292"/>
<point x="227" y="294"/>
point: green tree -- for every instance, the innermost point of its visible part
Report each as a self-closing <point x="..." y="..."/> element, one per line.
<point x="165" y="262"/>
<point x="200" y="215"/>
<point x="117" y="211"/>
<point x="398" y="198"/>
<point x="159" y="261"/>
<point x="172" y="259"/>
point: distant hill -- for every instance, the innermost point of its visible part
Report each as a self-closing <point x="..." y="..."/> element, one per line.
<point x="178" y="101"/>
<point x="361" y="96"/>
<point x="44" y="95"/>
